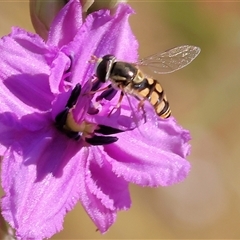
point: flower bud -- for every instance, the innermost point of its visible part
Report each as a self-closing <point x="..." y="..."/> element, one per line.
<point x="6" y="233"/>
<point x="42" y="13"/>
<point x="90" y="6"/>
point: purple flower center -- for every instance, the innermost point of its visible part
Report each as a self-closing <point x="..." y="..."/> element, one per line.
<point x="89" y="132"/>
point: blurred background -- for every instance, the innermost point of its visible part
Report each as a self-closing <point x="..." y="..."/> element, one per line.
<point x="204" y="98"/>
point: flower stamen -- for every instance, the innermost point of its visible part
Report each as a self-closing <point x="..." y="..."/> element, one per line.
<point x="85" y="130"/>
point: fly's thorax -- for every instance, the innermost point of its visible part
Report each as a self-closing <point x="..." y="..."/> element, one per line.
<point x="123" y="72"/>
<point x="139" y="77"/>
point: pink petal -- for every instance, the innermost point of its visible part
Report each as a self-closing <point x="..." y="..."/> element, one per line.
<point x="102" y="216"/>
<point x="111" y="190"/>
<point x="65" y="24"/>
<point x="151" y="155"/>
<point x="24" y="82"/>
<point x="48" y="175"/>
<point x="40" y="177"/>
<point x="59" y="67"/>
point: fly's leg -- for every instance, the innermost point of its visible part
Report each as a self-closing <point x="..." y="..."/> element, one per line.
<point x="101" y="89"/>
<point x="141" y="106"/>
<point x="118" y="104"/>
<point x="93" y="59"/>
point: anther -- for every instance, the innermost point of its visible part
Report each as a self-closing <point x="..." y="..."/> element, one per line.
<point x="106" y="130"/>
<point x="100" y="140"/>
<point x="74" y="96"/>
<point x="61" y="118"/>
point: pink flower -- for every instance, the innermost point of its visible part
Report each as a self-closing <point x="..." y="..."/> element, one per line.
<point x="58" y="146"/>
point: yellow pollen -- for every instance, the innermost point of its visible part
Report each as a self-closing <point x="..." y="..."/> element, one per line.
<point x="86" y="128"/>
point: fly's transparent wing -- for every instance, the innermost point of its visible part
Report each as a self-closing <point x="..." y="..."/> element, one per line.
<point x="170" y="60"/>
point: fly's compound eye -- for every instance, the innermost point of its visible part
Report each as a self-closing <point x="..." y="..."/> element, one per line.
<point x="104" y="68"/>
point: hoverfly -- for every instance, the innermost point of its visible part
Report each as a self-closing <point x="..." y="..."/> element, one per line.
<point x="129" y="79"/>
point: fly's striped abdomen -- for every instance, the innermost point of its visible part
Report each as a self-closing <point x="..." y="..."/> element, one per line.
<point x="161" y="105"/>
<point x="151" y="90"/>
